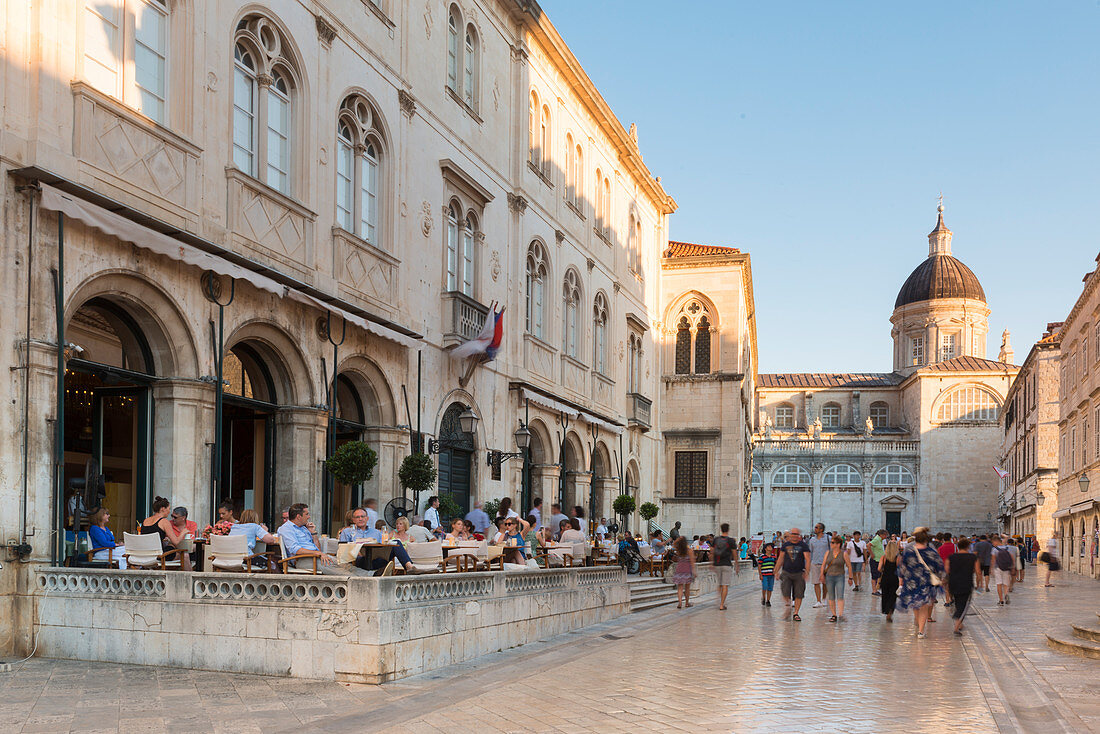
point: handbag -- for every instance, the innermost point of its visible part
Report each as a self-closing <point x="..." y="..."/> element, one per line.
<point x="932" y="575"/>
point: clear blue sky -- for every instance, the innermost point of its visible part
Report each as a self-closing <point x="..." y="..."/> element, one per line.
<point x="817" y="136"/>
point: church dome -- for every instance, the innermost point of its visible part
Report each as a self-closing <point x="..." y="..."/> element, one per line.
<point x="940" y="276"/>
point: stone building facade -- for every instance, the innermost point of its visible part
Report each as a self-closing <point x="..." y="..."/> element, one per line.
<point x="189" y="179"/>
<point x="1029" y="454"/>
<point x="894" y="450"/>
<point x="1078" y="509"/>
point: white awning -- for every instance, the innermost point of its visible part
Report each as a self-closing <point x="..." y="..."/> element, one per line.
<point x="1060" y="514"/>
<point x="589" y="418"/>
<point x="559" y="407"/>
<point x="141" y="236"/>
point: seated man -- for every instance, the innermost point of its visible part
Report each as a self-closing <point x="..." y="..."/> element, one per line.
<point x="300" y="537"/>
<point x="658" y="544"/>
<point x="360" y="528"/>
<point x="419" y="533"/>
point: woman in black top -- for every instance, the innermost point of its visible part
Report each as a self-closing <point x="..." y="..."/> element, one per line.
<point x="961" y="566"/>
<point x="888" y="580"/>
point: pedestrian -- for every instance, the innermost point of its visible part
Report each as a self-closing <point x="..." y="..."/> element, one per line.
<point x="857" y="549"/>
<point x="795" y="571"/>
<point x="875" y="550"/>
<point x="962" y="569"/>
<point x="946" y="550"/>
<point x="819" y="547"/>
<point x="837" y="562"/>
<point x="1021" y="559"/>
<point x="888" y="578"/>
<point x="984" y="550"/>
<point x="722" y="551"/>
<point x="1049" y="558"/>
<point x="1013" y="551"/>
<point x="920" y="572"/>
<point x="675" y="532"/>
<point x="1002" y="569"/>
<point x="683" y="573"/>
<point x="767" y="574"/>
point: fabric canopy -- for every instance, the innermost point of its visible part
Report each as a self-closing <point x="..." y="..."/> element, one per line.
<point x="126" y="230"/>
<point x="560" y="407"/>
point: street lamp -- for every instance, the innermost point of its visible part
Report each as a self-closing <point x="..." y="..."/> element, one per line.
<point x="1040" y="498"/>
<point x="495" y="457"/>
<point x="1083" y="482"/>
<point x="467" y="423"/>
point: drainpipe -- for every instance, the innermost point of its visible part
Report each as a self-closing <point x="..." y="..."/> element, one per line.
<point x="27" y="365"/>
<point x="59" y="439"/>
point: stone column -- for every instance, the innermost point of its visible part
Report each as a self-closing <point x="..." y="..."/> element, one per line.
<point x="392" y="445"/>
<point x="607" y="489"/>
<point x="299" y="450"/>
<point x="582" y="485"/>
<point x="183" y="433"/>
<point x="544" y="484"/>
<point x="815" y="497"/>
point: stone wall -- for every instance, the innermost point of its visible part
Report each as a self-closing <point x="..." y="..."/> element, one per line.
<point x="365" y="630"/>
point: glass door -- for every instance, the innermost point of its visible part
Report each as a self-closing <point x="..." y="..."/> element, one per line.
<point x="121" y="442"/>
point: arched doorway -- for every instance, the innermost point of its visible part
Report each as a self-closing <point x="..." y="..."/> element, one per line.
<point x="456" y="462"/>
<point x="632" y="480"/>
<point x="109" y="410"/>
<point x="353" y="417"/>
<point x="601" y="476"/>
<point x="572" y="465"/>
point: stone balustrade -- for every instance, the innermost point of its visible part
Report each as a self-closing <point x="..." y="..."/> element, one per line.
<point x="848" y="447"/>
<point x="361" y="629"/>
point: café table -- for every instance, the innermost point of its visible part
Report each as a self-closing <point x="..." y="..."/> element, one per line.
<point x="348" y="552"/>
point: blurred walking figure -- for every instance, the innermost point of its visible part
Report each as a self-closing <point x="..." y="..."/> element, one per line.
<point x="888" y="578"/>
<point x="837" y="562"/>
<point x="683" y="573"/>
<point x="919" y="562"/>
<point x="1049" y="558"/>
<point x="962" y="568"/>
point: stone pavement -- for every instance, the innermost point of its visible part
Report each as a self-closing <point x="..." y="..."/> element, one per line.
<point x="742" y="670"/>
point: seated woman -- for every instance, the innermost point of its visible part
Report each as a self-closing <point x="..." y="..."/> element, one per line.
<point x="359" y="530"/>
<point x="250" y="527"/>
<point x="531" y="535"/>
<point x="510" y="536"/>
<point x="459" y="531"/>
<point x="571" y="531"/>
<point x="170" y="536"/>
<point x="102" y="537"/>
<point x="472" y="531"/>
<point x="629" y="556"/>
<point x="658" y="544"/>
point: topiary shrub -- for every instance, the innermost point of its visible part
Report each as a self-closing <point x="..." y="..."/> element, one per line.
<point x="417" y="473"/>
<point x="353" y="463"/>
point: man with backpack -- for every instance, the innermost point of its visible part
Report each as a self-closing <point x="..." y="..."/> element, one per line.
<point x="721" y="552"/>
<point x="1004" y="568"/>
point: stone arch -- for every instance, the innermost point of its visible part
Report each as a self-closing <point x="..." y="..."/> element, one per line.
<point x="678" y="303"/>
<point x="968" y="390"/>
<point x="289" y="370"/>
<point x="153" y="311"/>
<point x="459" y="395"/>
<point x="541" y="443"/>
<point x="373" y="389"/>
<point x="601" y="462"/>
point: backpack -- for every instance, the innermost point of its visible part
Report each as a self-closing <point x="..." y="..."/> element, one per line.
<point x="1004" y="559"/>
<point x="859" y="551"/>
<point x="723" y="550"/>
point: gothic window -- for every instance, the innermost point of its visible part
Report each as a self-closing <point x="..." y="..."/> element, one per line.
<point x="454" y="22"/>
<point x="605" y="192"/>
<point x="880" y="414"/>
<point x="545" y="140"/>
<point x="462" y="234"/>
<point x="894" y="475"/>
<point x="791" y="475"/>
<point x="358" y="161"/>
<point x="601" y="216"/>
<point x="570" y="169"/>
<point x="784" y="416"/>
<point x="571" y="294"/>
<point x="536" y="288"/>
<point x="533" y="139"/>
<point x="967" y="403"/>
<point x="470" y="67"/>
<point x="683" y="346"/>
<point x="841" y="475"/>
<point x="578" y="175"/>
<point x="693" y="340"/>
<point x="830" y="415"/>
<point x="599" y="333"/>
<point x="263" y="103"/>
<point x="691" y="474"/>
<point x="126" y="52"/>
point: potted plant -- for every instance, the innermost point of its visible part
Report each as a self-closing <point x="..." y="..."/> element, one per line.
<point x="490" y="507"/>
<point x="624" y="507"/>
<point x="353" y="463"/>
<point x="448" y="508"/>
<point x="417" y="474"/>
<point x="648" y="511"/>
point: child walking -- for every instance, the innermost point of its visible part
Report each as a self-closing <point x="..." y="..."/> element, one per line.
<point x="766" y="566"/>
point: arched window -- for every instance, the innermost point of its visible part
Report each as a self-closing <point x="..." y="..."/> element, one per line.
<point x="571" y="294"/>
<point x="461" y="232"/>
<point x="358" y="161"/>
<point x="841" y="475"/>
<point x="536" y="288"/>
<point x="126" y="52"/>
<point x="693" y="329"/>
<point x="546" y="146"/>
<point x="757" y="480"/>
<point x="603" y="205"/>
<point x="570" y="168"/>
<point x="600" y="218"/>
<point x="894" y="475"/>
<point x="791" y="475"/>
<point x="454" y="22"/>
<point x="470" y="67"/>
<point x="967" y="403"/>
<point x="599" y="333"/>
<point x="633" y="246"/>
<point x="830" y="415"/>
<point x="533" y="109"/>
<point x="784" y="416"/>
<point x="635" y="362"/>
<point x="263" y="89"/>
<point x="683" y="346"/>
<point x="880" y="414"/>
<point x="578" y="176"/>
<point x="469" y="235"/>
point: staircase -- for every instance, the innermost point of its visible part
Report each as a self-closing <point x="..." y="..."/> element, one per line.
<point x="1084" y="640"/>
<point x="647" y="592"/>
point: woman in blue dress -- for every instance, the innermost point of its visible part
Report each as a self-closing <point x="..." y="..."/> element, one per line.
<point x="916" y="564"/>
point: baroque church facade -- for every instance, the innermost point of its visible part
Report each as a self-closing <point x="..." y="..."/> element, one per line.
<point x="913" y="446"/>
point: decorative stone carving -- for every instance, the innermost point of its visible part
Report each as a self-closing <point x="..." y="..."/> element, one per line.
<point x="103" y="583"/>
<point x="313" y="592"/>
<point x="494" y="265"/>
<point x="325" y="32"/>
<point x="211" y="82"/>
<point x="559" y="236"/>
<point x="426" y="221"/>
<point x="815" y="428"/>
<point x="428" y="22"/>
<point x="514" y="583"/>
<point x="868" y="427"/>
<point x="496" y="95"/>
<point x="767" y="426"/>
<point x="591" y="264"/>
<point x="407" y="102"/>
<point x="517" y="203"/>
<point x="367" y="270"/>
<point x="765" y="465"/>
<point x="416" y="592"/>
<point x="268" y="222"/>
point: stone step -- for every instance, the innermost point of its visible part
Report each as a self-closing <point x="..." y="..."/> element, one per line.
<point x="1074" y="646"/>
<point x="638" y="588"/>
<point x="1087" y="632"/>
<point x="650" y="596"/>
<point x="652" y="605"/>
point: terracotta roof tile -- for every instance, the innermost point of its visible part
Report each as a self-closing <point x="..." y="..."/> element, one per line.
<point x="968" y="364"/>
<point x="826" y="380"/>
<point x="690" y="249"/>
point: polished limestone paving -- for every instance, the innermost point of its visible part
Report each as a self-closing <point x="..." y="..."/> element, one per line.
<point x="746" y="669"/>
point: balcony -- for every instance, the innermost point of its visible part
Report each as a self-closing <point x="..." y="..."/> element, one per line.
<point x="640" y="408"/>
<point x="463" y="318"/>
<point x="842" y="447"/>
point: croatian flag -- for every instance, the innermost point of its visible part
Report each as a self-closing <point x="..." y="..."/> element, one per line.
<point x="487" y="342"/>
<point x="1000" y="472"/>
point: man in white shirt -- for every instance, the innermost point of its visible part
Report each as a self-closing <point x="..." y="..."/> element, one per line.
<point x="857" y="549"/>
<point x="432" y="513"/>
<point x="601" y="529"/>
<point x="371" y="506"/>
<point x="536" y="510"/>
